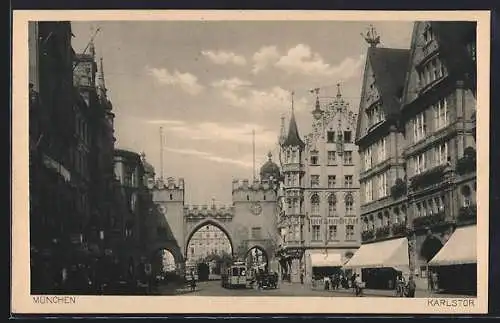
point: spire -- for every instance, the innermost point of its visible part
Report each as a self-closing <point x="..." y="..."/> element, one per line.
<point x="101" y="84"/>
<point x="270" y="156"/>
<point x="293" y="138"/>
<point x="338" y="91"/>
<point x="317" y="112"/>
<point x="91" y="43"/>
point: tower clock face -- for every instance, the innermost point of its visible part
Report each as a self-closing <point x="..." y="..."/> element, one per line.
<point x="256" y="208"/>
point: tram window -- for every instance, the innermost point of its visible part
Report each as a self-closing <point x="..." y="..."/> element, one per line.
<point x="235" y="271"/>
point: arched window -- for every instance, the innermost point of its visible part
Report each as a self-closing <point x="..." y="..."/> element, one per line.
<point x="332" y="205"/>
<point x="315" y="204"/>
<point x="349" y="203"/>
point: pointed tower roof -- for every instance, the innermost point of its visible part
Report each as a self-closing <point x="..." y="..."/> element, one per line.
<point x="101" y="84"/>
<point x="293" y="138"/>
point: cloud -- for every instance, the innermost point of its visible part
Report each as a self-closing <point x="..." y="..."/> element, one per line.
<point x="231" y="84"/>
<point x="301" y="60"/>
<point x="275" y="98"/>
<point x="246" y="163"/>
<point x="223" y="57"/>
<point x="266" y="56"/>
<point x="186" y="81"/>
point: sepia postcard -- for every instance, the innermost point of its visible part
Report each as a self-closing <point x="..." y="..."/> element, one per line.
<point x="308" y="162"/>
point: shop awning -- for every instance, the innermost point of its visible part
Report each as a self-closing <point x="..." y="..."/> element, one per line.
<point x="459" y="249"/>
<point x="389" y="253"/>
<point x="322" y="259"/>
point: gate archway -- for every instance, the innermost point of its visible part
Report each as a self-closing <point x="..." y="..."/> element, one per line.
<point x="208" y="245"/>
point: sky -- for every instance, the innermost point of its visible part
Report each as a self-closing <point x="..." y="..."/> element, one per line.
<point x="208" y="84"/>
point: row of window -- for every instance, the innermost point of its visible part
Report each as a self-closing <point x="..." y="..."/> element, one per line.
<point x="374" y="115"/>
<point x="440" y="112"/>
<point x="435" y="156"/>
<point x="332" y="180"/>
<point x="314" y="159"/>
<point x="430" y="206"/>
<point x="332" y="232"/>
<point x="375" y="153"/>
<point x="332" y="204"/>
<point x="382" y="187"/>
<point x="346" y="137"/>
<point x="432" y="71"/>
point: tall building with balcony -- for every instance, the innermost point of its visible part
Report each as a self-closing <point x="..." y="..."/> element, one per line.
<point x="438" y="113"/>
<point x="380" y="138"/>
<point x="321" y="191"/>
<point x="419" y="218"/>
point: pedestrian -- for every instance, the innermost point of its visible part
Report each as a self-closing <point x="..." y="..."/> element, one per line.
<point x="302" y="278"/>
<point x="193" y="282"/>
<point x="411" y="287"/>
<point x="326" y="281"/>
<point x="434" y="282"/>
<point x="358" y="285"/>
<point x="353" y="281"/>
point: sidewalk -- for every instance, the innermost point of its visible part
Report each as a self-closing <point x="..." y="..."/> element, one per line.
<point x="419" y="293"/>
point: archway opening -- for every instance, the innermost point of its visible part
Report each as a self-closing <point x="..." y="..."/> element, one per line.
<point x="208" y="249"/>
<point x="257" y="259"/>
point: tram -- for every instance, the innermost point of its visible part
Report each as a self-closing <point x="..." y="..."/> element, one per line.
<point x="235" y="275"/>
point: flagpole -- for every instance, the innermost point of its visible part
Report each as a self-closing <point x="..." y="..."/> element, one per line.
<point x="253" y="152"/>
<point x="161" y="153"/>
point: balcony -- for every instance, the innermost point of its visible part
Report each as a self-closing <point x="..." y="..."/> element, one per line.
<point x="429" y="220"/>
<point x="467" y="213"/>
<point x="383" y="232"/>
<point x="399" y="229"/>
<point x="367" y="235"/>
<point x="428" y="178"/>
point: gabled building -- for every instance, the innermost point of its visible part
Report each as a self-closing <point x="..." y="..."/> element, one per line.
<point x="380" y="138"/>
<point x="320" y="222"/>
<point x="438" y="113"/>
<point x="416" y="135"/>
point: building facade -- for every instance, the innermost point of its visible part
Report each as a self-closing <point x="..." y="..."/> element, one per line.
<point x="438" y="114"/>
<point x="416" y="135"/>
<point x="59" y="178"/>
<point x="320" y="222"/>
<point x="380" y="138"/>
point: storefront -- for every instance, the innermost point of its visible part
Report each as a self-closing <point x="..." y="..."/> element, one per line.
<point x="456" y="263"/>
<point x="324" y="263"/>
<point x="379" y="263"/>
